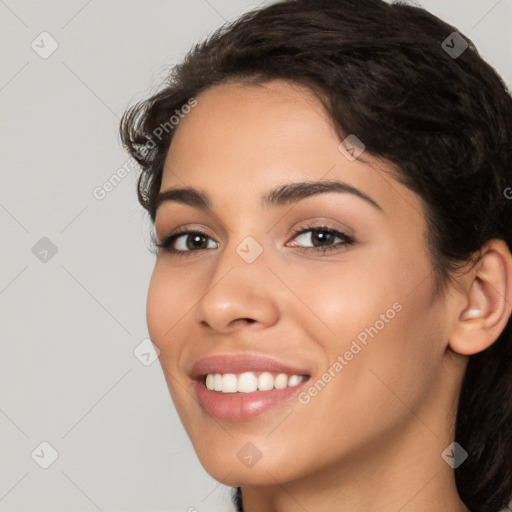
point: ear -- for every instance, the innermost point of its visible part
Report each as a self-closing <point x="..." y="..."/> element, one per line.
<point x="487" y="301"/>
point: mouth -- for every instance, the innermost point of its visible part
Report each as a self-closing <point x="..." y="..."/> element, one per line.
<point x="241" y="387"/>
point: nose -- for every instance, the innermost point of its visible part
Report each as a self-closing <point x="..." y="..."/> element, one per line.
<point x="238" y="295"/>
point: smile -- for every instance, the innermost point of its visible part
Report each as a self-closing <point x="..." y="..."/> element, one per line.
<point x="241" y="386"/>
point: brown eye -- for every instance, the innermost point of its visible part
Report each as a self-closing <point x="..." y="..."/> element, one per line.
<point x="322" y="238"/>
<point x="189" y="241"/>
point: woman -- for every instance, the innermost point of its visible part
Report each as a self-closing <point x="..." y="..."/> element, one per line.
<point x="332" y="290"/>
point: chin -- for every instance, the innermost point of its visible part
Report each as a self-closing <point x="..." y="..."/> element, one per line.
<point x="241" y="463"/>
<point x="236" y="476"/>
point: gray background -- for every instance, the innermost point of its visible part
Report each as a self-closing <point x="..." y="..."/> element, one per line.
<point x="70" y="321"/>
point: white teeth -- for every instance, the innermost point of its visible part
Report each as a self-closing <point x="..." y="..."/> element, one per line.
<point x="294" y="380"/>
<point x="265" y="381"/>
<point x="247" y="382"/>
<point x="281" y="381"/>
<point x="217" y="382"/>
<point x="229" y="383"/>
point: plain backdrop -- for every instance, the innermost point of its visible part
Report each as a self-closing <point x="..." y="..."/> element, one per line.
<point x="78" y="391"/>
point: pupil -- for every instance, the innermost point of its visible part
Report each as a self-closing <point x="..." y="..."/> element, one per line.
<point x="196" y="238"/>
<point x="323" y="237"/>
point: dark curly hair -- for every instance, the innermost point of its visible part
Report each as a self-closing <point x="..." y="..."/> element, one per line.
<point x="442" y="119"/>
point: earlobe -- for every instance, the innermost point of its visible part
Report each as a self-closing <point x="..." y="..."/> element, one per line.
<point x="488" y="301"/>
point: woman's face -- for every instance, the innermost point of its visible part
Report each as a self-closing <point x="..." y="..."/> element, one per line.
<point x="359" y="321"/>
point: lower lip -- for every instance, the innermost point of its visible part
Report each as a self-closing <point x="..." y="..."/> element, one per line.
<point x="242" y="406"/>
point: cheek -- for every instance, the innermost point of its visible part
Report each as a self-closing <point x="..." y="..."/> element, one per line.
<point x="167" y="306"/>
<point x="351" y="294"/>
<point x="155" y="306"/>
<point x="346" y="297"/>
<point x="379" y="317"/>
<point x="166" y="303"/>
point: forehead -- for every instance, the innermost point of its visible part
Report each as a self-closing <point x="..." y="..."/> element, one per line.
<point x="246" y="139"/>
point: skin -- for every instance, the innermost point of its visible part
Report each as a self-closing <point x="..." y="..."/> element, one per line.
<point x="372" y="438"/>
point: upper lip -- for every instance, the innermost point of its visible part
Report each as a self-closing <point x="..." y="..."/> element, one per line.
<point x="229" y="363"/>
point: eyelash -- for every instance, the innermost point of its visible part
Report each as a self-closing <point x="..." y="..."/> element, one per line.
<point x="166" y="243"/>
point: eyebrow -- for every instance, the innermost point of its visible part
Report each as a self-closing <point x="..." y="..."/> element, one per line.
<point x="280" y="196"/>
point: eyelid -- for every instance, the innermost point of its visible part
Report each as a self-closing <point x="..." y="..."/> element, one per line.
<point x="323" y="222"/>
<point x="182" y="228"/>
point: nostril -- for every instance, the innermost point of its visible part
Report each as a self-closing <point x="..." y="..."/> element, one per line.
<point x="243" y="320"/>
